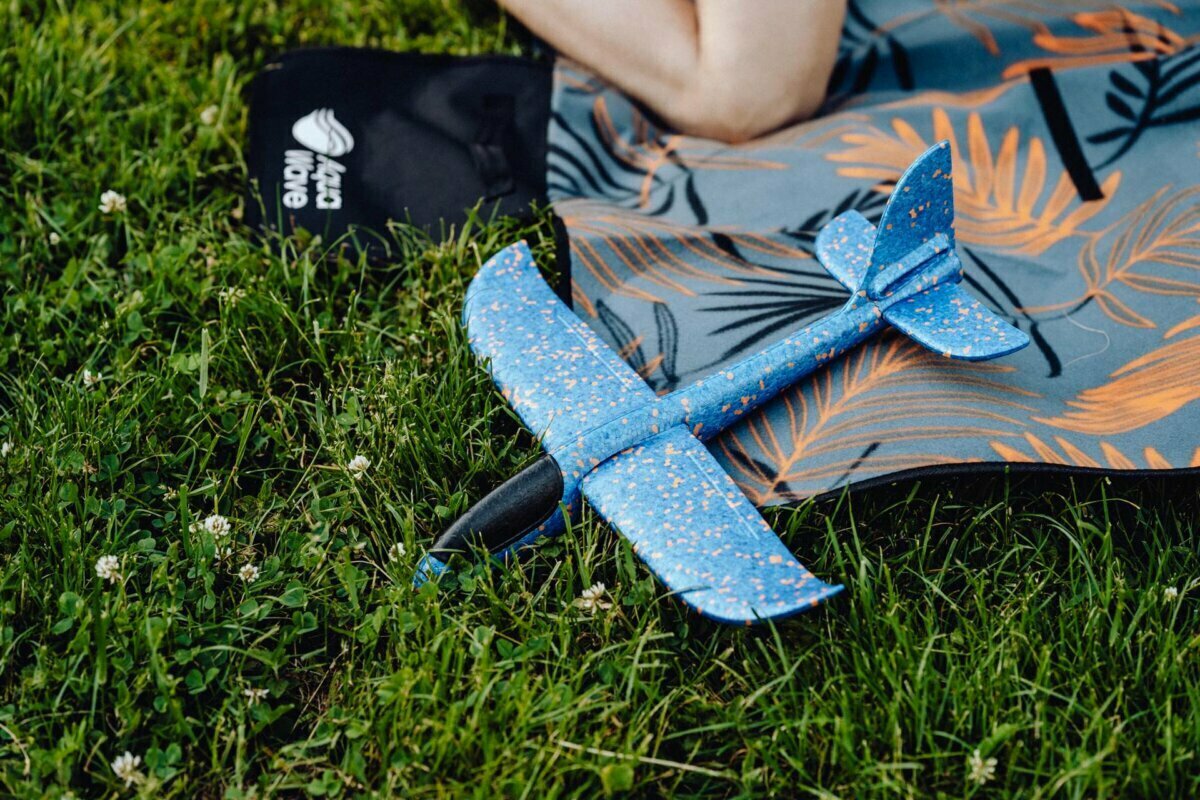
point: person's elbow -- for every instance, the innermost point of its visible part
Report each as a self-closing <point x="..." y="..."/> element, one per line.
<point x="737" y="111"/>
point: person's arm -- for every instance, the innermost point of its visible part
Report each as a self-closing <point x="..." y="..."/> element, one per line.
<point x="724" y="69"/>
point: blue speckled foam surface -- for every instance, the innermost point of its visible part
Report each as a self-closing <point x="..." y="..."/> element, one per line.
<point x="632" y="452"/>
<point x="548" y="364"/>
<point x="689" y="522"/>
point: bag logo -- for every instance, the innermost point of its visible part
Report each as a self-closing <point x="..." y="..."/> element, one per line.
<point x="325" y="139"/>
<point x="320" y="132"/>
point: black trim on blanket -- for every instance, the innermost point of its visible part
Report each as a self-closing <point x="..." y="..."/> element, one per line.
<point x="562" y="260"/>
<point x="1063" y="133"/>
<point x="991" y="470"/>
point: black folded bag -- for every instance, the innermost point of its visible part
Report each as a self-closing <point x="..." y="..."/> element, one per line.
<point x="345" y="140"/>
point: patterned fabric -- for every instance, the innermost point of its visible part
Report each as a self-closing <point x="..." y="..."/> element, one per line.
<point x="688" y="255"/>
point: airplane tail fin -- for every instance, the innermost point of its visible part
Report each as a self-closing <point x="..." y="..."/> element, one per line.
<point x="920" y="209"/>
<point x="915" y="237"/>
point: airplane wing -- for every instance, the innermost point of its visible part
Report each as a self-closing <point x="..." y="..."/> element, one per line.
<point x="699" y="534"/>
<point x="552" y="369"/>
<point x="948" y="320"/>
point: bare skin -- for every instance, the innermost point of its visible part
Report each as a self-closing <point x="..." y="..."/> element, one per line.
<point x="721" y="69"/>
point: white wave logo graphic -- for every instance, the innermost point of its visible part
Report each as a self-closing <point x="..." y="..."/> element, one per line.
<point x="322" y="133"/>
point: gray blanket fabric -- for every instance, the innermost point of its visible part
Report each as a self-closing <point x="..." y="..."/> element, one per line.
<point x="1076" y="138"/>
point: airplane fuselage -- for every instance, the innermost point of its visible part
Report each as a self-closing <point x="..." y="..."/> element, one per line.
<point x="717" y="401"/>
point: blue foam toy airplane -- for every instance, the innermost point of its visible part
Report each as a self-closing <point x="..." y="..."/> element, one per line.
<point x="639" y="459"/>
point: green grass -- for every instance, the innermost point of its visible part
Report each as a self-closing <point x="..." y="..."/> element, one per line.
<point x="1030" y="623"/>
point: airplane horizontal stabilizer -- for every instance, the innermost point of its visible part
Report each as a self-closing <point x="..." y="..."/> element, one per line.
<point x="948" y="320"/>
<point x="844" y="248"/>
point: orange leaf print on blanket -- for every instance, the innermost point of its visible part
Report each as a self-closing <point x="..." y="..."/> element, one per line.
<point x="617" y="245"/>
<point x="1144" y="391"/>
<point x="1117" y="36"/>
<point x="863" y="405"/>
<point x="1155" y="249"/>
<point x="994" y="207"/>
<point x="976" y="16"/>
<point x="647" y="150"/>
<point x="1070" y="455"/>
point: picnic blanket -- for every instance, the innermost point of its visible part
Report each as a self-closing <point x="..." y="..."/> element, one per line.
<point x="1075" y="128"/>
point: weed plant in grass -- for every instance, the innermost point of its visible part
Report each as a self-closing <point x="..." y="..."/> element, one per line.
<point x="159" y="368"/>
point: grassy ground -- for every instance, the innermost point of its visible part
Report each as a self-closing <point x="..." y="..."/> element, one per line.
<point x="1054" y="630"/>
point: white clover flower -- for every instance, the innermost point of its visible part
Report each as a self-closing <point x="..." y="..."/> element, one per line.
<point x="209" y="115"/>
<point x="126" y="768"/>
<point x="169" y="492"/>
<point x="592" y="598"/>
<point x="5" y="449"/>
<point x="223" y="552"/>
<point x="255" y="695"/>
<point x="108" y="568"/>
<point x="232" y="294"/>
<point x="112" y="203"/>
<point x="217" y="525"/>
<point x="397" y="551"/>
<point x="982" y="769"/>
<point x="1170" y="593"/>
<point x="248" y="573"/>
<point x="358" y="466"/>
<point x="91" y="379"/>
<point x="54" y="238"/>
